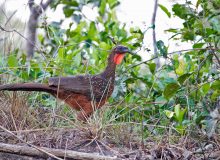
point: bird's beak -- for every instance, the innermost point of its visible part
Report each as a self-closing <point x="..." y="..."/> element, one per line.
<point x="126" y="50"/>
<point x="130" y="52"/>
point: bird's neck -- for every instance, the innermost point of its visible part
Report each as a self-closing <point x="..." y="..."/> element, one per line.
<point x="109" y="71"/>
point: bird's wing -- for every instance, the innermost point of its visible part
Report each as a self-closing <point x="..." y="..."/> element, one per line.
<point x="78" y="84"/>
<point x="90" y="86"/>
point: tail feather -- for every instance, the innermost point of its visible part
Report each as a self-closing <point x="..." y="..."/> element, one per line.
<point x="28" y="87"/>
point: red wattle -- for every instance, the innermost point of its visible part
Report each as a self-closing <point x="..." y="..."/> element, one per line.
<point x="118" y="58"/>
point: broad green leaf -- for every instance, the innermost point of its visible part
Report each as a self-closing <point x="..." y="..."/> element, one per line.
<point x="165" y="10"/>
<point x="12" y="61"/>
<point x="181" y="79"/>
<point x="181" y="10"/>
<point x="68" y="11"/>
<point x="170" y="90"/>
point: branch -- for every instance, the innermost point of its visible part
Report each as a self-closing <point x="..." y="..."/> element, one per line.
<point x="25" y="150"/>
<point x="33" y="146"/>
<point x="30" y="4"/>
<point x="46" y="4"/>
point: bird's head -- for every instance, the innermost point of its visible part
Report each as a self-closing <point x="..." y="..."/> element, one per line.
<point x="119" y="53"/>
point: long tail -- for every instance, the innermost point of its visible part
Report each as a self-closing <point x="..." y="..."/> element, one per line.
<point x="28" y="87"/>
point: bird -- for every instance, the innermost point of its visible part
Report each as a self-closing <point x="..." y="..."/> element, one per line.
<point x="84" y="93"/>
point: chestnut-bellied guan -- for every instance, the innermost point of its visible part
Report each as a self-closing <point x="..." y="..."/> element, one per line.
<point x="83" y="92"/>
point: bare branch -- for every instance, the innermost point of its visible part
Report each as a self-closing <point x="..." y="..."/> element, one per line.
<point x="154" y="32"/>
<point x="33" y="146"/>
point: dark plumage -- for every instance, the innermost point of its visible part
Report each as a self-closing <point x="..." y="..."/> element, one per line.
<point x="79" y="91"/>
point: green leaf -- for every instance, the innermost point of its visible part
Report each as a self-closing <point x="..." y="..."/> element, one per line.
<point x="170" y="90"/>
<point x="181" y="79"/>
<point x="179" y="113"/>
<point x="68" y="11"/>
<point x="181" y="10"/>
<point x="113" y="3"/>
<point x="165" y="10"/>
<point x="152" y="67"/>
<point x="12" y="61"/>
<point x="215" y="95"/>
<point x="216" y="85"/>
<point x="198" y="45"/>
<point x="162" y="48"/>
<point x="205" y="88"/>
<point x="102" y="7"/>
<point x="172" y="30"/>
<point x="169" y="114"/>
<point x="92" y="33"/>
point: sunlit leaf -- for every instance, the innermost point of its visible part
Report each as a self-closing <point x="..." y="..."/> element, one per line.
<point x="169" y="114"/>
<point x="165" y="10"/>
<point x="102" y="7"/>
<point x="181" y="67"/>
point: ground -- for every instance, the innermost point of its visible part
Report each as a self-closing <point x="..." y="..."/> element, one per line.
<point x="22" y="124"/>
